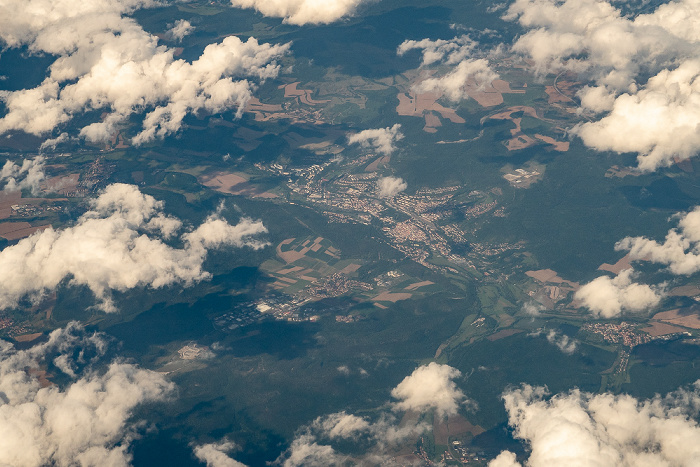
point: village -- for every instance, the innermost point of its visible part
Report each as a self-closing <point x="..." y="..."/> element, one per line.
<point x="414" y="224"/>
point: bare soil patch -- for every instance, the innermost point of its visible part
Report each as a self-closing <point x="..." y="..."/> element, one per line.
<point x="686" y="317"/>
<point x="617" y="268"/>
<point x="660" y="329"/>
<point x="392" y="297"/>
<point x="417" y="285"/>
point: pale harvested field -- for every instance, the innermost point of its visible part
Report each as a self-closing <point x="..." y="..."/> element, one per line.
<point x="223" y="182"/>
<point x="432" y="121"/>
<point x="308" y="245"/>
<point x="288" y="256"/>
<point x="350" y="268"/>
<point x="617" y="268"/>
<point x="554" y="96"/>
<point x="28" y="337"/>
<point x="503" y="87"/>
<point x="418" y="105"/>
<point x="518" y="108"/>
<point x="416" y="285"/>
<point x="304" y="95"/>
<point x="392" y="297"/>
<point x="384" y="160"/>
<point x="660" y="329"/>
<point x="520" y="141"/>
<point x="492" y="94"/>
<point x="566" y="95"/>
<point x="561" y="146"/>
<point x="545" y="275"/>
<point x="10" y="227"/>
<point x="254" y="104"/>
<point x="233" y="184"/>
<point x="264" y="112"/>
<point x="8" y="198"/>
<point x="687" y="318"/>
<point x="486" y="98"/>
<point x="684" y="291"/>
<point x="15" y="232"/>
<point x="290" y="270"/>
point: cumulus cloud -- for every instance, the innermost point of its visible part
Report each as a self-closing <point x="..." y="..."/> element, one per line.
<point x="566" y="344"/>
<point x="644" y="71"/>
<point x="300" y="12"/>
<point x="452" y="84"/>
<point x="505" y="459"/>
<point x="84" y="422"/>
<point x="390" y="186"/>
<point x="27" y="176"/>
<point x="119" y="244"/>
<point x="430" y="387"/>
<point x="106" y="61"/>
<point x="215" y="454"/>
<point x="342" y="425"/>
<point x="450" y="52"/>
<point x="680" y="251"/>
<point x="457" y="54"/>
<point x="318" y="443"/>
<point x="380" y="140"/>
<point x="304" y="451"/>
<point x="609" y="297"/>
<point x="579" y="428"/>
<point x="180" y="29"/>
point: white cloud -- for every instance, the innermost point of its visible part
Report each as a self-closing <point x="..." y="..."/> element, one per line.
<point x="180" y="29"/>
<point x="390" y="186"/>
<point x="450" y="52"/>
<point x="533" y="308"/>
<point x="117" y="245"/>
<point x="562" y="341"/>
<point x="456" y="53"/>
<point x="84" y="422"/>
<point x="342" y="425"/>
<point x="317" y="444"/>
<point x="656" y="118"/>
<point x="106" y="61"/>
<point x="608" y="297"/>
<point x="305" y="451"/>
<point x="215" y="454"/>
<point x="505" y="459"/>
<point x="430" y="387"/>
<point x="27" y="176"/>
<point x="680" y="251"/>
<point x="582" y="429"/>
<point x="452" y="85"/>
<point x="300" y="12"/>
<point x="380" y="140"/>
